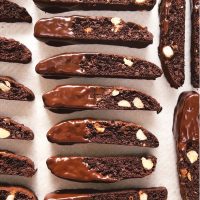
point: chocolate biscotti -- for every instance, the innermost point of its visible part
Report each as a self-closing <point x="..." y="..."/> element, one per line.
<point x="67" y="5"/>
<point x="12" y="90"/>
<point x="8" y="192"/>
<point x="14" y="51"/>
<point x="172" y="40"/>
<point x="101" y="169"/>
<point x="186" y="131"/>
<point x="195" y="63"/>
<point x="158" y="193"/>
<point x="10" y="129"/>
<point x="11" y="12"/>
<point x="70" y="98"/>
<point x="13" y="164"/>
<point x="85" y="29"/>
<point x="97" y="65"/>
<point x="101" y="131"/>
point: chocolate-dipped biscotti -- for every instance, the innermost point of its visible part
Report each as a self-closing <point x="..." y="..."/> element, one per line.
<point x="10" y="192"/>
<point x="14" y="51"/>
<point x="186" y="131"/>
<point x="11" y="12"/>
<point x="13" y="164"/>
<point x="12" y="90"/>
<point x="195" y="64"/>
<point x="70" y="98"/>
<point x="10" y="129"/>
<point x="172" y="40"/>
<point x="101" y="169"/>
<point x="84" y="29"/>
<point x="67" y="5"/>
<point x="157" y="193"/>
<point x="97" y="65"/>
<point x="101" y="131"/>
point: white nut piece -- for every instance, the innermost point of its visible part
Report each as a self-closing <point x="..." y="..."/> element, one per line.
<point x="115" y="93"/>
<point x="189" y="176"/>
<point x="4" y="133"/>
<point x="147" y="163"/>
<point x="139" y="1"/>
<point x="124" y="103"/>
<point x="192" y="156"/>
<point x="137" y="102"/>
<point x="10" y="197"/>
<point x="99" y="128"/>
<point x="5" y="87"/>
<point x="168" y="51"/>
<point x="143" y="195"/>
<point x="140" y="135"/>
<point x="128" y="62"/>
<point x="116" y="20"/>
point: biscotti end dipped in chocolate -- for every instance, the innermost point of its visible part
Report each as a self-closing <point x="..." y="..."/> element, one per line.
<point x="85" y="29"/>
<point x="101" y="131"/>
<point x="14" y="51"/>
<point x="101" y="169"/>
<point x="70" y="98"/>
<point x="195" y="63"/>
<point x="11" y="12"/>
<point x="13" y="164"/>
<point x="172" y="40"/>
<point x="186" y="131"/>
<point x="12" y="90"/>
<point x="157" y="193"/>
<point x="97" y="65"/>
<point x="10" y="129"/>
<point x="67" y="5"/>
<point x="10" y="192"/>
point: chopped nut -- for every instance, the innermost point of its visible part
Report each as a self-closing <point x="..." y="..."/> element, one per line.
<point x="115" y="93"/>
<point x="99" y="128"/>
<point x="189" y="176"/>
<point x="116" y="21"/>
<point x="147" y="163"/>
<point x="143" y="195"/>
<point x="88" y="30"/>
<point x="168" y="51"/>
<point x="5" y="87"/>
<point x="192" y="156"/>
<point x="140" y="135"/>
<point x="124" y="103"/>
<point x="10" y="197"/>
<point x="4" y="133"/>
<point x="137" y="102"/>
<point x="139" y="1"/>
<point x="184" y="172"/>
<point x="128" y="62"/>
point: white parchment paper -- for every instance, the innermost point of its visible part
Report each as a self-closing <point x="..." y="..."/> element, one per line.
<point x="40" y="120"/>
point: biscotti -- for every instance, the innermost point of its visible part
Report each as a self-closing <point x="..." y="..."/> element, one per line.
<point x="186" y="131"/>
<point x="8" y="192"/>
<point x="70" y="98"/>
<point x="13" y="164"/>
<point x="101" y="169"/>
<point x="11" y="12"/>
<point x="12" y="90"/>
<point x="172" y="40"/>
<point x="157" y="193"/>
<point x="101" y="131"/>
<point x="85" y="29"/>
<point x="14" y="51"/>
<point x="10" y="129"/>
<point x="66" y="5"/>
<point x="97" y="65"/>
<point x="195" y="64"/>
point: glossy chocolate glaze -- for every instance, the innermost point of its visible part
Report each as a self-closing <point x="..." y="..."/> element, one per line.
<point x="74" y="168"/>
<point x="60" y="196"/>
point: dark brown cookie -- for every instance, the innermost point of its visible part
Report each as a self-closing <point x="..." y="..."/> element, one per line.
<point x="172" y="40"/>
<point x="11" y="12"/>
<point x="10" y="129"/>
<point x="101" y="169"/>
<point x="186" y="131"/>
<point x="70" y="98"/>
<point x="12" y="90"/>
<point x="14" y="51"/>
<point x="97" y="65"/>
<point x="98" y="30"/>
